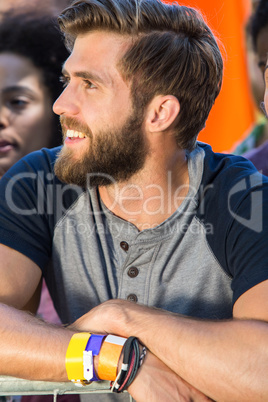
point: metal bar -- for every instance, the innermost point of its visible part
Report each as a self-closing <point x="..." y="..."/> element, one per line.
<point x="17" y="386"/>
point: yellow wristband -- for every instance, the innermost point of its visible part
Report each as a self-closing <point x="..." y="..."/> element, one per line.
<point x="109" y="356"/>
<point x="74" y="356"/>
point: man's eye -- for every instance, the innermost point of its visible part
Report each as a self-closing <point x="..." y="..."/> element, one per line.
<point x="89" y="84"/>
<point x="64" y="80"/>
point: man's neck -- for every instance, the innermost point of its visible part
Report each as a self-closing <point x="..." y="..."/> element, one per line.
<point x="152" y="195"/>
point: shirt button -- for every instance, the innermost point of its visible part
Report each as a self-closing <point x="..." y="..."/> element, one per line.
<point x="124" y="245"/>
<point x="133" y="272"/>
<point x="133" y="298"/>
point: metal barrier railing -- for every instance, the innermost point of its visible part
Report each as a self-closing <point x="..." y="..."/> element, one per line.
<point x="17" y="386"/>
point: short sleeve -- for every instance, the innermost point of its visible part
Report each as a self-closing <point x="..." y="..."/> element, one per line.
<point x="25" y="224"/>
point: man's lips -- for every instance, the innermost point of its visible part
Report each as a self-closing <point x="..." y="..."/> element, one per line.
<point x="6" y="146"/>
<point x="72" y="141"/>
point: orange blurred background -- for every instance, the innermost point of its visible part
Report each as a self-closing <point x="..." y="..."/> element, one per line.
<point x="234" y="111"/>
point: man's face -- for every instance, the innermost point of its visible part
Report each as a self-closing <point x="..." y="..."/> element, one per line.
<point x="103" y="133"/>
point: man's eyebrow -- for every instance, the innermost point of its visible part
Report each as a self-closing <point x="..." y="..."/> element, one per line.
<point x="90" y="76"/>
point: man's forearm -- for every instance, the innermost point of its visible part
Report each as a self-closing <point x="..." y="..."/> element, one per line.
<point x="228" y="361"/>
<point x="30" y="348"/>
<point x="225" y="360"/>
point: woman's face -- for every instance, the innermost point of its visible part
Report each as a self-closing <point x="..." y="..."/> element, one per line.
<point x="25" y="110"/>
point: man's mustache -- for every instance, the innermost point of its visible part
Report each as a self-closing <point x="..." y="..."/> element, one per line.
<point x="69" y="123"/>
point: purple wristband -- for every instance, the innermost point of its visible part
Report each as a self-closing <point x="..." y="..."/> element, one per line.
<point x="94" y="344"/>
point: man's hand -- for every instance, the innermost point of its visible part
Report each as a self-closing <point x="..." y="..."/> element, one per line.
<point x="114" y="317"/>
<point x="225" y="360"/>
<point x="155" y="382"/>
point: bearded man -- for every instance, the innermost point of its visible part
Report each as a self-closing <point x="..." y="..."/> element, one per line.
<point x="140" y="231"/>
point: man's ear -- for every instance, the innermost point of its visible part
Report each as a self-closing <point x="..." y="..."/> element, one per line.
<point x="161" y="113"/>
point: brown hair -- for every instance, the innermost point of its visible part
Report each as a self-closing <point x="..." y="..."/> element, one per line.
<point x="173" y="52"/>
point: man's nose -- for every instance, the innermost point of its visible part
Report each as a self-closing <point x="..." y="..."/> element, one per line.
<point x="66" y="104"/>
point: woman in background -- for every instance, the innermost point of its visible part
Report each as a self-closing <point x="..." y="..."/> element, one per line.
<point x="31" y="56"/>
<point x="32" y="53"/>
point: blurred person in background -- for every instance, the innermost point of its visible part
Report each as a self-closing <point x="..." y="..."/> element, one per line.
<point x="255" y="146"/>
<point x="53" y="7"/>
<point x="259" y="32"/>
<point x="256" y="33"/>
<point x="31" y="56"/>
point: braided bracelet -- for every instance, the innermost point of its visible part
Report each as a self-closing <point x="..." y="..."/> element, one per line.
<point x="133" y="368"/>
<point x="132" y="360"/>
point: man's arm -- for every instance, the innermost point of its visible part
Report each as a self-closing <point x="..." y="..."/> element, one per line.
<point x="29" y="348"/>
<point x="226" y="360"/>
<point x="34" y="350"/>
<point x="157" y="382"/>
<point x="20" y="278"/>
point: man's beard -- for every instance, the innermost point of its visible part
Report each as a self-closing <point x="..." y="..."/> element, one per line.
<point x="112" y="156"/>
